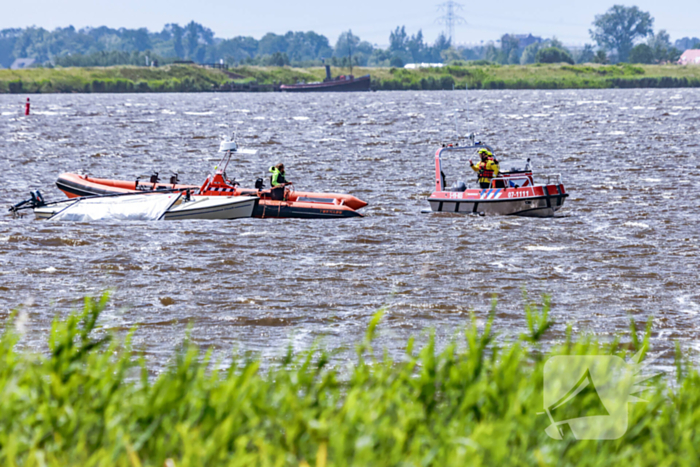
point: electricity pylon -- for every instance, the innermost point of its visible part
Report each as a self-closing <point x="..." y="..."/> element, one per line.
<point x="450" y="19"/>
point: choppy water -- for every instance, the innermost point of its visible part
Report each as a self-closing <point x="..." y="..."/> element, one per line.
<point x="625" y="243"/>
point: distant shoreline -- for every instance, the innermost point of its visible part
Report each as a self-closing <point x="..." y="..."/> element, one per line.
<point x="191" y="78"/>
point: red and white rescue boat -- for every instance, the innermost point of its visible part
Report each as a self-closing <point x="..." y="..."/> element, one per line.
<point x="512" y="192"/>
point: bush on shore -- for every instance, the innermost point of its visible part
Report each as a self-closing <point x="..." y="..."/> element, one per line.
<point x="90" y="402"/>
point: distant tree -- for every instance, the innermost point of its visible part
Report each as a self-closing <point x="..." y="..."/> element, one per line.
<point x="379" y="57"/>
<point x="585" y="55"/>
<point x="346" y="45"/>
<point x="530" y="53"/>
<point x="491" y="53"/>
<point x="661" y="47"/>
<point x="349" y="45"/>
<point x="237" y="49"/>
<point x="8" y="37"/>
<point x="472" y="53"/>
<point x="510" y="49"/>
<point x="309" y="46"/>
<point x="642" y="53"/>
<point x="398" y="39"/>
<point x="396" y="62"/>
<point x="441" y="43"/>
<point x="514" y="57"/>
<point x="553" y="55"/>
<point x="554" y="42"/>
<point x="135" y="39"/>
<point x="416" y="47"/>
<point x="177" y="41"/>
<point x="276" y="59"/>
<point x="450" y="55"/>
<point x="619" y="27"/>
<point x="601" y="57"/>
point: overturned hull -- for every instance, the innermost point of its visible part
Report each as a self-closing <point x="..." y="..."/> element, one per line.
<point x="537" y="201"/>
<point x="208" y="207"/>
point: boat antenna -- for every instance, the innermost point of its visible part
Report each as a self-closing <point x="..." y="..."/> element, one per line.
<point x="456" y="126"/>
<point x="466" y="100"/>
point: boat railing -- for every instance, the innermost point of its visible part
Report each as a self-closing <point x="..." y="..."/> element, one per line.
<point x="552" y="179"/>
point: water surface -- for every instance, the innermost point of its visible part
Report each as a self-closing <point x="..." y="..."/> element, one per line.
<point x="626" y="242"/>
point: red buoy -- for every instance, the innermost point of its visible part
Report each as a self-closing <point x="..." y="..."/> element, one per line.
<point x="26" y="107"/>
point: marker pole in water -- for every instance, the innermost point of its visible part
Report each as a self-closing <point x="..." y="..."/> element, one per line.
<point x="26" y="107"/>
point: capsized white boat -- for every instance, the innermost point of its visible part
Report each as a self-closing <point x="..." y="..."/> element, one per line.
<point x="156" y="206"/>
<point x="213" y="207"/>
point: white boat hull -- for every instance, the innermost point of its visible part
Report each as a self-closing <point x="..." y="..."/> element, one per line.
<point x="213" y="207"/>
<point x="199" y="207"/>
<point x="526" y="207"/>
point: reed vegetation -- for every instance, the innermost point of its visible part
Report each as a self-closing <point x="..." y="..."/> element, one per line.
<point x="475" y="75"/>
<point x="90" y="400"/>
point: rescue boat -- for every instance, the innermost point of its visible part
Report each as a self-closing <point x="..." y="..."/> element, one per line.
<point x="276" y="202"/>
<point x="513" y="192"/>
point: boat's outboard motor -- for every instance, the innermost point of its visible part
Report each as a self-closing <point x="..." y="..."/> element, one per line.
<point x="174" y="179"/>
<point x="36" y="201"/>
<point x="259" y="184"/>
<point x="459" y="186"/>
<point x="154" y="177"/>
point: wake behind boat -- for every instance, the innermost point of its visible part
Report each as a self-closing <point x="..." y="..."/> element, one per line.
<point x="512" y="192"/>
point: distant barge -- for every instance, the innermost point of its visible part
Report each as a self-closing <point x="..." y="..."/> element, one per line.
<point x="340" y="83"/>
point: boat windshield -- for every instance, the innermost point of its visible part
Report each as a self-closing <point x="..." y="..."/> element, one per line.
<point x="515" y="165"/>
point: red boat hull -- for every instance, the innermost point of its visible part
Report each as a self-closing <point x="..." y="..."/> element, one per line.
<point x="532" y="201"/>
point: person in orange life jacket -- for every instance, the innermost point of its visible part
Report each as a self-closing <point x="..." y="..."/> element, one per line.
<point x="278" y="176"/>
<point x="487" y="169"/>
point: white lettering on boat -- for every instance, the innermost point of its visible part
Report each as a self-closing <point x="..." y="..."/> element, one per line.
<point x="519" y="194"/>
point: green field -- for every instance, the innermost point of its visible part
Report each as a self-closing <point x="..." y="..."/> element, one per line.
<point x="188" y="78"/>
<point x="89" y="399"/>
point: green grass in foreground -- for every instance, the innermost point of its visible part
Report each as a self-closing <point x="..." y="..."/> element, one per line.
<point x="473" y="403"/>
<point x="184" y="78"/>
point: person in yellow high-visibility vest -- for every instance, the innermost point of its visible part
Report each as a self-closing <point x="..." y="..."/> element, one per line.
<point x="278" y="176"/>
<point x="487" y="169"/>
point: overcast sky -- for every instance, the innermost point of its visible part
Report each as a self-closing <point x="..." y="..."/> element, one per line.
<point x="370" y="19"/>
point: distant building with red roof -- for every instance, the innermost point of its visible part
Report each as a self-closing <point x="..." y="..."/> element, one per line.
<point x="690" y="57"/>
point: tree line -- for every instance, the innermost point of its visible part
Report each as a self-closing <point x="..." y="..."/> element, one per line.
<point x="105" y="46"/>
<point x="622" y="34"/>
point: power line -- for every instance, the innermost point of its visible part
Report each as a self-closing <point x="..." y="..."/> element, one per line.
<point x="450" y="19"/>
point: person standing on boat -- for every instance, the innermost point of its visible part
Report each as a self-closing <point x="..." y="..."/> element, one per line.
<point x="487" y="169"/>
<point x="278" y="176"/>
